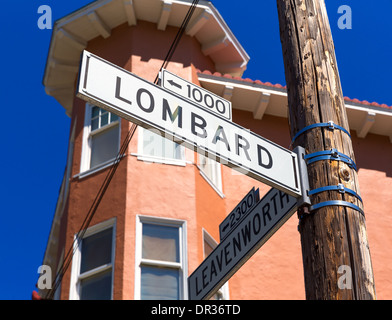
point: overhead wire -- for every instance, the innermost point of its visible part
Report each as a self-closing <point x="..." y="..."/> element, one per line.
<point x="178" y="36"/>
<point x="101" y="192"/>
<point x="86" y="222"/>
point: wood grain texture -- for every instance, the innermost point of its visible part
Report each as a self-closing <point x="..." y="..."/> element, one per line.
<point x="333" y="236"/>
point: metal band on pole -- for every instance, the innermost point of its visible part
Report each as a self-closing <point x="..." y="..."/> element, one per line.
<point x="332" y="154"/>
<point x="340" y="187"/>
<point x="336" y="203"/>
<point x="330" y="125"/>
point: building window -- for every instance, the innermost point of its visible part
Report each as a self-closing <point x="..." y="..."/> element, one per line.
<point x="155" y="148"/>
<point x="211" y="171"/>
<point x="209" y="245"/>
<point x="92" y="266"/>
<point x="101" y="138"/>
<point x="161" y="259"/>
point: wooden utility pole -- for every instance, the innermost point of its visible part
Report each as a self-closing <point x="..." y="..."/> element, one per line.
<point x="335" y="249"/>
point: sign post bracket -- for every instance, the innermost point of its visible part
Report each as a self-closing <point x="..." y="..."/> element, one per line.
<point x="304" y="199"/>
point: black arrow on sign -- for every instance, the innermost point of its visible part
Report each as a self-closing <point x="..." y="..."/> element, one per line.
<point x="175" y="84"/>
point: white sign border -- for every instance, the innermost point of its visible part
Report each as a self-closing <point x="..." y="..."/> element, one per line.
<point x="85" y="95"/>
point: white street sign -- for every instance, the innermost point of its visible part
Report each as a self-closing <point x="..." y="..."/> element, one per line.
<point x="153" y="107"/>
<point x="239" y="212"/>
<point x="272" y="211"/>
<point x="196" y="94"/>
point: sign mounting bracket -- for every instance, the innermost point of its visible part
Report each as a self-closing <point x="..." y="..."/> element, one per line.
<point x="304" y="199"/>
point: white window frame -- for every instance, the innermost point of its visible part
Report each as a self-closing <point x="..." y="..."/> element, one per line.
<point x="76" y="277"/>
<point x="224" y="290"/>
<point x="86" y="146"/>
<point x="148" y="158"/>
<point x="182" y="265"/>
<point x="216" y="180"/>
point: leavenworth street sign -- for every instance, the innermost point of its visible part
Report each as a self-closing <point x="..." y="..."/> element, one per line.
<point x="272" y="211"/>
<point x="153" y="107"/>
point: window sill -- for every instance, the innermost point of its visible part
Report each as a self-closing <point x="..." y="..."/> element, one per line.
<point x="96" y="169"/>
<point x="152" y="159"/>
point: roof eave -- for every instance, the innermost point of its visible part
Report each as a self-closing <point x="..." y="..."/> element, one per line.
<point x="72" y="33"/>
<point x="264" y="98"/>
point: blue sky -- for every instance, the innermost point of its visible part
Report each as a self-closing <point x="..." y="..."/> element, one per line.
<point x="35" y="128"/>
